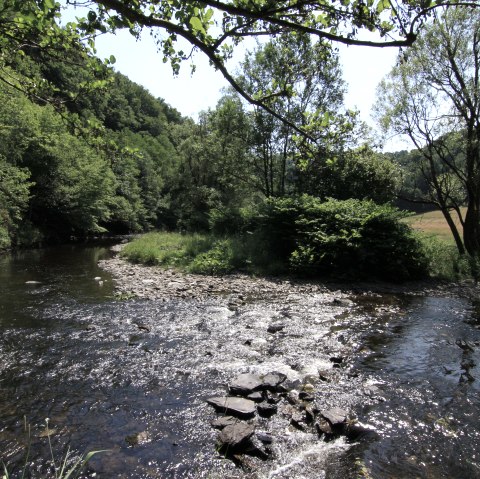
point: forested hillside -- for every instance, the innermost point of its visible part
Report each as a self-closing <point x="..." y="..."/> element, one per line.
<point x="94" y="159"/>
<point x="102" y="155"/>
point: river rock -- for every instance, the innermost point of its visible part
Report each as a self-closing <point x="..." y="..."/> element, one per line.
<point x="272" y="381"/>
<point x="335" y="416"/>
<point x="238" y="407"/>
<point x="224" y="421"/>
<point x="266" y="409"/>
<point x="245" y="384"/>
<point x="265" y="437"/>
<point x="235" y="437"/>
<point x="323" y="426"/>
<point x="256" y="396"/>
<point x="298" y="420"/>
<point x="275" y="328"/>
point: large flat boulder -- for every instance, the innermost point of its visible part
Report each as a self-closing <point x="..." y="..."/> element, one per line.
<point x="245" y="384"/>
<point x="234" y="406"/>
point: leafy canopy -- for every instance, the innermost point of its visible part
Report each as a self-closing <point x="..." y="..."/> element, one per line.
<point x="215" y="27"/>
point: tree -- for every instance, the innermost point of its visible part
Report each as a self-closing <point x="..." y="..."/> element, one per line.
<point x="31" y="28"/>
<point x="300" y="80"/>
<point x="359" y="173"/>
<point x="215" y="27"/>
<point x="433" y="96"/>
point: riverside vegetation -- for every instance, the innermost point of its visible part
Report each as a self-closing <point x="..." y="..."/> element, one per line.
<point x="91" y="153"/>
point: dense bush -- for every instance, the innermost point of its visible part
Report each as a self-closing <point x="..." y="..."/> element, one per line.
<point x="350" y="238"/>
<point x="341" y="239"/>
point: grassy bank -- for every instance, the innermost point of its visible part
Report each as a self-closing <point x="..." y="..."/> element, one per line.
<point x="344" y="240"/>
<point x="202" y="253"/>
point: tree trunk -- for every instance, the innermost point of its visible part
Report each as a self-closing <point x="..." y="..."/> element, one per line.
<point x="471" y="229"/>
<point x="454" y="230"/>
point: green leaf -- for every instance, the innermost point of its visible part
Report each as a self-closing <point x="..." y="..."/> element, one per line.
<point x="197" y="24"/>
<point x="382" y="5"/>
<point x="49" y="4"/>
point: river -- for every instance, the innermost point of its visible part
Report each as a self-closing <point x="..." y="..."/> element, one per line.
<point x="132" y="376"/>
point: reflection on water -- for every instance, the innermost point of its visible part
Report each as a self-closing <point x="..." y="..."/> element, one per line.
<point x="33" y="279"/>
<point x="132" y="376"/>
<point x="426" y="365"/>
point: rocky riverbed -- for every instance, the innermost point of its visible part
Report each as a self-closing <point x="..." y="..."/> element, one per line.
<point x="315" y="337"/>
<point x="155" y="282"/>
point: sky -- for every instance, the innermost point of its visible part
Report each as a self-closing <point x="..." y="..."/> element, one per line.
<point x="363" y="68"/>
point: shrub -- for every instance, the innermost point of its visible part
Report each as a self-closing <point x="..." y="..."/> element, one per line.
<point x="350" y="238"/>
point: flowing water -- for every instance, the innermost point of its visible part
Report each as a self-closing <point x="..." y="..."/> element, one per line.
<point x="132" y="376"/>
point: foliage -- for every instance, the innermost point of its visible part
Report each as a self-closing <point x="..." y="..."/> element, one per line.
<point x="300" y="80"/>
<point x="14" y="196"/>
<point x="444" y="260"/>
<point x="215" y="28"/>
<point x="433" y="96"/>
<point x="358" y="173"/>
<point x="344" y="238"/>
<point x="57" y="183"/>
<point x="71" y="185"/>
<point x="302" y="235"/>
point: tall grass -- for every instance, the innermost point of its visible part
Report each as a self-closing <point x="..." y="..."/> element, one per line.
<point x="204" y="254"/>
<point x="166" y="249"/>
<point x="67" y="467"/>
<point x="444" y="260"/>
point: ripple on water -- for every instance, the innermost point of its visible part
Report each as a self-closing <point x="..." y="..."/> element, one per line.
<point x="107" y="373"/>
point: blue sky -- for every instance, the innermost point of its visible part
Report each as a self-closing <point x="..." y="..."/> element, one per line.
<point x="363" y="68"/>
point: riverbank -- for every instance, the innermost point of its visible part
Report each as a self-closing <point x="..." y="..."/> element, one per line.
<point x="156" y="282"/>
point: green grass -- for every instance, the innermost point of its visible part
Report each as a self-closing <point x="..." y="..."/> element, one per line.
<point x="203" y="254"/>
<point x="166" y="249"/>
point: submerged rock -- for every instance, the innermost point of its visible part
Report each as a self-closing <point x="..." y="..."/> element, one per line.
<point x="275" y="328"/>
<point x="238" y="407"/>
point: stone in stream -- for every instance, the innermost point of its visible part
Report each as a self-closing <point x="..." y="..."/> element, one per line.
<point x="335" y="416"/>
<point x="265" y="437"/>
<point x="224" y="421"/>
<point x="142" y="326"/>
<point x="266" y="410"/>
<point x="275" y="328"/>
<point x="257" y="396"/>
<point x="323" y="426"/>
<point x="238" y="407"/>
<point x="245" y="384"/>
<point x="235" y="437"/>
<point x="272" y="381"/>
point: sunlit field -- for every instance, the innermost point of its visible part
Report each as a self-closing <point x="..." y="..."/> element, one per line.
<point x="433" y="222"/>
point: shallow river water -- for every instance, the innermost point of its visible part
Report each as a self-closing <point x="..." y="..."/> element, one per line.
<point x="132" y="376"/>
